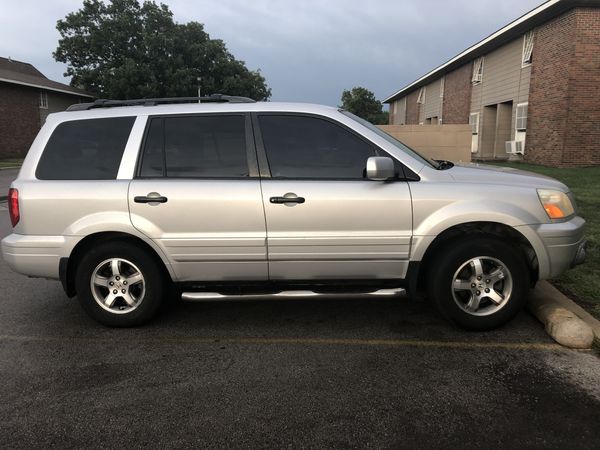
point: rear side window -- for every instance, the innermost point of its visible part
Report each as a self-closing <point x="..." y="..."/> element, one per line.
<point x="310" y="147"/>
<point x="196" y="147"/>
<point x="85" y="149"/>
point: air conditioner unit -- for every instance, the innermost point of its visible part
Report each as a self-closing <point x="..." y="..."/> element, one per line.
<point x="514" y="147"/>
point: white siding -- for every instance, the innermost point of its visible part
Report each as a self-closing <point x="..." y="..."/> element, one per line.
<point x="504" y="80"/>
<point x="398" y="109"/>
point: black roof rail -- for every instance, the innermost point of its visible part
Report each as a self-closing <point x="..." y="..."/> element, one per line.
<point x="214" y="98"/>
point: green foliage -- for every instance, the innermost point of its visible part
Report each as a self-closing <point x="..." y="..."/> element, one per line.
<point x="122" y="49"/>
<point x="362" y="102"/>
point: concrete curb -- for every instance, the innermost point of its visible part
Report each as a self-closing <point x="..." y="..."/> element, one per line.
<point x="566" y="322"/>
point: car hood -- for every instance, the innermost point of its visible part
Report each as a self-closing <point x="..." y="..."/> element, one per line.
<point x="476" y="173"/>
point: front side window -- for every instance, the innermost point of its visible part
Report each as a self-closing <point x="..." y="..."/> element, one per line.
<point x="85" y="149"/>
<point x="392" y="140"/>
<point x="310" y="147"/>
<point x="196" y="147"/>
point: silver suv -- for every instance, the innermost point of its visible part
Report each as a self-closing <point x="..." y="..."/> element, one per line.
<point x="128" y="201"/>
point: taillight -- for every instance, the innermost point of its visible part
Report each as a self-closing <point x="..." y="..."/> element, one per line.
<point x="13" y="206"/>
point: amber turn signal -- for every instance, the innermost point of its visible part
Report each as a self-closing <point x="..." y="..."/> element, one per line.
<point x="557" y="204"/>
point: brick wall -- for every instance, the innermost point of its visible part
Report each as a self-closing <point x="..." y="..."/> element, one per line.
<point x="457" y="96"/>
<point x="563" y="127"/>
<point x="19" y="119"/>
<point x="412" y="108"/>
<point x="582" y="139"/>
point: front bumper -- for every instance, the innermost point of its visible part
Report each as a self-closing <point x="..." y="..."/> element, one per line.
<point x="558" y="245"/>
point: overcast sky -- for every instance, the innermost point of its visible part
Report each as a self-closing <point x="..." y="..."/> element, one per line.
<point x="308" y="50"/>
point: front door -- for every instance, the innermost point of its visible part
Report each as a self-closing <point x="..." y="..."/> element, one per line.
<point x="197" y="194"/>
<point x="325" y="220"/>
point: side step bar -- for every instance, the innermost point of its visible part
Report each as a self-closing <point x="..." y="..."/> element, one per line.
<point x="212" y="296"/>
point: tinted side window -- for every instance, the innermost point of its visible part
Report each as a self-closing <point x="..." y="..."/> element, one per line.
<point x="196" y="147"/>
<point x="309" y="147"/>
<point x="85" y="149"/>
<point x="153" y="160"/>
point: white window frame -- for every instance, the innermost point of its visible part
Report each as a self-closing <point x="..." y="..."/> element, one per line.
<point x="421" y="97"/>
<point x="474" y="123"/>
<point x="43" y="102"/>
<point x="477" y="76"/>
<point x="527" y="55"/>
<point x="403" y="118"/>
<point x="521" y="129"/>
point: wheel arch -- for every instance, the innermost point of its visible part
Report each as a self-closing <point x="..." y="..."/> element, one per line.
<point x="480" y="228"/>
<point x="68" y="265"/>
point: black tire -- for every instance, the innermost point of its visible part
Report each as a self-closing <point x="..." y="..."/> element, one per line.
<point x="451" y="257"/>
<point x="154" y="284"/>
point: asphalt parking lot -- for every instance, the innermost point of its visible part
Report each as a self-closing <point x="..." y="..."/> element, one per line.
<point x="385" y="373"/>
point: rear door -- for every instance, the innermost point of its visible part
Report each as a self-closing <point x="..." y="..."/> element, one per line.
<point x="325" y="220"/>
<point x="197" y="194"/>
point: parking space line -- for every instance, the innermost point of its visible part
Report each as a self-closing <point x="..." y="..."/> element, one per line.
<point x="307" y="341"/>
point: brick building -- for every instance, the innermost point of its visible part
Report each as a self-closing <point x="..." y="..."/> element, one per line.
<point x="530" y="91"/>
<point x="26" y="98"/>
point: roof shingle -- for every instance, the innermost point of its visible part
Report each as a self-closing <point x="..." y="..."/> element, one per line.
<point x="18" y="72"/>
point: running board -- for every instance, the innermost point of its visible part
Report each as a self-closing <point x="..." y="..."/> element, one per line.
<point x="210" y="296"/>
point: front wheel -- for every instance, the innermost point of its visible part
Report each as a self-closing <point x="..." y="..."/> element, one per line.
<point x="479" y="284"/>
<point x="119" y="284"/>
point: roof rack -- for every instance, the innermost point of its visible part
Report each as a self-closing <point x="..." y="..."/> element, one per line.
<point x="214" y="98"/>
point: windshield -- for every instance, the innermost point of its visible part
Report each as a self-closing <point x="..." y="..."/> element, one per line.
<point x="401" y="146"/>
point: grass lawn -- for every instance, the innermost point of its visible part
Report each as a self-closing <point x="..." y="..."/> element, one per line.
<point x="11" y="162"/>
<point x="582" y="283"/>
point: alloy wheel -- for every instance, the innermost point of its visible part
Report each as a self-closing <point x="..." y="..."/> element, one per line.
<point x="117" y="285"/>
<point x="482" y="286"/>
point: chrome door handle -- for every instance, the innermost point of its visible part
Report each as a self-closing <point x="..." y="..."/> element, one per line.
<point x="152" y="197"/>
<point x="281" y="200"/>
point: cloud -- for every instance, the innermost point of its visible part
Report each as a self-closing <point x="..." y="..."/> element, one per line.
<point x="308" y="50"/>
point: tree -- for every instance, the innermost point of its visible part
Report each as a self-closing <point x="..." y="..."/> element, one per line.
<point x="122" y="49"/>
<point x="362" y="102"/>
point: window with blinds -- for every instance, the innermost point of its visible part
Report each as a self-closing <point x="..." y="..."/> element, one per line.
<point x="474" y="122"/>
<point x="527" y="49"/>
<point x="477" y="70"/>
<point x="521" y="118"/>
<point x="421" y="97"/>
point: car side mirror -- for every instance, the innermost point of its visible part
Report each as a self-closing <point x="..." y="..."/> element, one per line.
<point x="380" y="168"/>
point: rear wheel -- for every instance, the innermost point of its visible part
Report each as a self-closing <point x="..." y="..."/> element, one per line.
<point x="479" y="284"/>
<point x="119" y="285"/>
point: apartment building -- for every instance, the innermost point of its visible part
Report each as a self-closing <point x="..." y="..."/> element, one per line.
<point x="26" y="99"/>
<point x="530" y="90"/>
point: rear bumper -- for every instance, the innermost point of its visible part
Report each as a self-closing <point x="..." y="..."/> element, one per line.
<point x="35" y="256"/>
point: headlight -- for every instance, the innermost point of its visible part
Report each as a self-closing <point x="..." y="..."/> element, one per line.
<point x="556" y="203"/>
